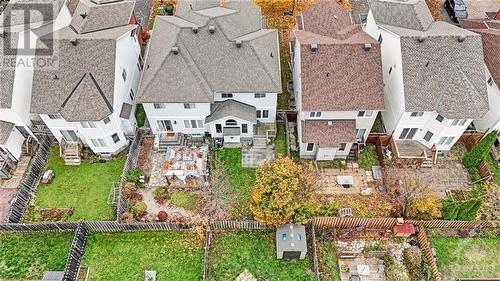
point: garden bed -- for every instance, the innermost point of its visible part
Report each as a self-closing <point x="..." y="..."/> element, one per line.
<point x="84" y="189"/>
<point x="26" y="256"/>
<point x="124" y="256"/>
<point x="280" y="141"/>
<point x="467" y="257"/>
<point x="232" y="253"/>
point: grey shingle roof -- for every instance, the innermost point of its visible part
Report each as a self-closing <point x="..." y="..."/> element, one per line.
<point x="208" y="63"/>
<point x="7" y="72"/>
<point x="5" y="130"/>
<point x="101" y="16"/>
<point x="40" y="11"/>
<point x="232" y="108"/>
<point x="142" y="10"/>
<point x="84" y="87"/>
<point x="412" y="14"/>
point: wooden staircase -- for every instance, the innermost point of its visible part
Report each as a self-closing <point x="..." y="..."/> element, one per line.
<point x="259" y="141"/>
<point x="71" y="152"/>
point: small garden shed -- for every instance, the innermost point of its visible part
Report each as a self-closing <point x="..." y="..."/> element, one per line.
<point x="291" y="241"/>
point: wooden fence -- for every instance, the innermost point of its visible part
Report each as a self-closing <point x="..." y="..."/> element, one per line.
<point x="133" y="154"/>
<point x="426" y="249"/>
<point x="76" y="252"/>
<point x="29" y="183"/>
<point x="315" y="254"/>
<point x="484" y="171"/>
<point x="208" y="239"/>
<point x="470" y="139"/>
<point x="237" y="225"/>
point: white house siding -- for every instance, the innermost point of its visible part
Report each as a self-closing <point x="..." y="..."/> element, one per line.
<point x="14" y="143"/>
<point x="268" y="102"/>
<point x="428" y="122"/>
<point x="176" y="113"/>
<point x="492" y="120"/>
<point x="213" y="131"/>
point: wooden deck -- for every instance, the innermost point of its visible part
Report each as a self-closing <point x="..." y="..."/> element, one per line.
<point x="412" y="149"/>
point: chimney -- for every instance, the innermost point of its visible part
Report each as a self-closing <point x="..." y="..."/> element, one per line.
<point x="211" y="29"/>
<point x="73" y="41"/>
<point x="195" y="29"/>
<point x="238" y="43"/>
<point x="314" y="47"/>
<point x="421" y="38"/>
<point x="175" y="50"/>
<point x="83" y="15"/>
<point x="461" y="38"/>
<point x="367" y="47"/>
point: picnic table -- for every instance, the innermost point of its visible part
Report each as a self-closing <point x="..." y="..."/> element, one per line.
<point x="345" y="181"/>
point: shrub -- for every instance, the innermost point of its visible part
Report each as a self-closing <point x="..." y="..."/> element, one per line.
<point x="389" y="260"/>
<point x="461" y="210"/>
<point x="160" y="194"/>
<point x="426" y="207"/>
<point x="139" y="209"/>
<point x="330" y="209"/>
<point x="129" y="190"/>
<point x="474" y="174"/>
<point x="134" y="175"/>
<point x="162" y="216"/>
<point x="473" y="157"/>
<point x="396" y="272"/>
<point x="368" y="158"/>
<point x="450" y="209"/>
<point x="140" y="113"/>
<point x="412" y="258"/>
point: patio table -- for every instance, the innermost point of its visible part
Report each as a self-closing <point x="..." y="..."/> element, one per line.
<point x="363" y="269"/>
<point x="345" y="181"/>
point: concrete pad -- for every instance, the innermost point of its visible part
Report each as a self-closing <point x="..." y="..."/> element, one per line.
<point x="254" y="157"/>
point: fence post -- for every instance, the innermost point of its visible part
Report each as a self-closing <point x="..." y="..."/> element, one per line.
<point x="76" y="252"/>
<point x="315" y="253"/>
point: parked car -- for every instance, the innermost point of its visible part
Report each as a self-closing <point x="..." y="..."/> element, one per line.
<point x="456" y="9"/>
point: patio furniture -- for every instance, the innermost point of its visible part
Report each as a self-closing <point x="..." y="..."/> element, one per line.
<point x="363" y="269"/>
<point x="354" y="277"/>
<point x="48" y="176"/>
<point x="377" y="172"/>
<point x="149" y="275"/>
<point x="345" y="212"/>
<point x="345" y="181"/>
<point x="380" y="266"/>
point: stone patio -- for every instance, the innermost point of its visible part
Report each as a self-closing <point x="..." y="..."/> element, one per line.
<point x="253" y="157"/>
<point x="374" y="275"/>
<point x="443" y="176"/>
<point x="362" y="180"/>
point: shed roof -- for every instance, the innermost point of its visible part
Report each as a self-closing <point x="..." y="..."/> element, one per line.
<point x="291" y="237"/>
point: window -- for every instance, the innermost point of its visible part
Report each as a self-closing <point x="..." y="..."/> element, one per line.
<point x="342" y="146"/>
<point x="218" y="128"/>
<point x="106" y="120"/>
<point x="442" y="140"/>
<point x="159" y="105"/>
<point x="462" y="122"/>
<point x="408" y="133"/>
<point x="189" y="105"/>
<point x="314" y="114"/>
<point x="360" y="134"/>
<point x="449" y="140"/>
<point x="416" y="114"/>
<point x="380" y="39"/>
<point x="455" y="122"/>
<point x="115" y="137"/>
<point x="390" y="70"/>
<point x="265" y="113"/>
<point x="458" y="122"/>
<point x="124" y="75"/>
<point x="187" y="124"/>
<point x="259" y="114"/>
<point x="259" y="95"/>
<point x="131" y="94"/>
<point x="164" y="125"/>
<point x="55" y="116"/>
<point x="231" y="123"/>
<point x="200" y="123"/>
<point x="88" y="124"/>
<point x="193" y="124"/>
<point x="133" y="33"/>
<point x="428" y="136"/>
<point x="69" y="135"/>
<point x="227" y="96"/>
<point x="439" y="118"/>
<point x="244" y="128"/>
<point x="310" y="147"/>
<point x="368" y="113"/>
<point x="490" y="81"/>
<point x="98" y="142"/>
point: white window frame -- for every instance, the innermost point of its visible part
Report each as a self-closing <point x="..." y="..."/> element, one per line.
<point x="124" y="75"/>
<point x="54" y="116"/>
<point x="117" y="136"/>
<point x="416" y="114"/>
<point x="131" y="94"/>
<point x="442" y="140"/>
<point x="106" y="120"/>
<point x="159" y="105"/>
<point x="342" y="146"/>
<point x="449" y="140"/>
<point x="360" y="137"/>
<point x="88" y="124"/>
<point x="227" y="95"/>
<point x="462" y="122"/>
<point x="490" y="81"/>
<point x="365" y="113"/>
<point x="408" y="133"/>
<point x="439" y="115"/>
<point x="431" y="135"/>
<point x="312" y="148"/>
<point x="189" y="105"/>
<point x="315" y="114"/>
<point x="259" y="95"/>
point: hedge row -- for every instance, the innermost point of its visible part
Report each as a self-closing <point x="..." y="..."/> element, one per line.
<point x="477" y="154"/>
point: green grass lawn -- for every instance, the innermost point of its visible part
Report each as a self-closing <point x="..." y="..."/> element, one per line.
<point x="84" y="188"/>
<point x="467" y="257"/>
<point x="185" y="200"/>
<point x="26" y="256"/>
<point x="241" y="181"/>
<point x="494" y="168"/>
<point x="328" y="261"/>
<point x="233" y="252"/>
<point x="125" y="256"/>
<point x="280" y="142"/>
<point x="368" y="158"/>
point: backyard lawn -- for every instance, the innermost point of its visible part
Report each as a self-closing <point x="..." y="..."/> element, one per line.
<point x="280" y="142"/>
<point x="467" y="257"/>
<point x="328" y="261"/>
<point x="233" y="252"/>
<point x="84" y="188"/>
<point x="240" y="180"/>
<point x="125" y="256"/>
<point x="368" y="158"/>
<point x="26" y="256"/>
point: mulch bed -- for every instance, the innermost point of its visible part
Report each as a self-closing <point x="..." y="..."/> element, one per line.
<point x="145" y="151"/>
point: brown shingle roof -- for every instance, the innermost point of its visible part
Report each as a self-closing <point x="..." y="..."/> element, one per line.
<point x="328" y="133"/>
<point x="340" y="75"/>
<point x="491" y="50"/>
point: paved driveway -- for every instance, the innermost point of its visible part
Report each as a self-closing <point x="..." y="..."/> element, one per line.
<point x="475" y="8"/>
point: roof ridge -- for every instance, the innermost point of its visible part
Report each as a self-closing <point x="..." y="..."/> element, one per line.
<point x="110" y="107"/>
<point x="264" y="65"/>
<point x="193" y="67"/>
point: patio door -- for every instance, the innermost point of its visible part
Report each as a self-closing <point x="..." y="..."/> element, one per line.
<point x="408" y="133"/>
<point x="164" y="125"/>
<point x="69" y="135"/>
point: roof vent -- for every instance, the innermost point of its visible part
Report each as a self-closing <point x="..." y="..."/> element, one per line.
<point x="421" y="38"/>
<point x="330" y="123"/>
<point x="461" y="38"/>
<point x="238" y="43"/>
<point x="73" y="41"/>
<point x="175" y="50"/>
<point x="83" y="15"/>
<point x="55" y="77"/>
<point x="314" y="47"/>
<point x="195" y="29"/>
<point x="367" y="46"/>
<point x="211" y="29"/>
